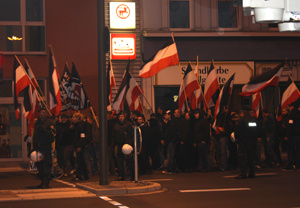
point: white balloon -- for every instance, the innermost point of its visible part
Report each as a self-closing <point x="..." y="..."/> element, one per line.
<point x="36" y="156"/>
<point x="127" y="149"/>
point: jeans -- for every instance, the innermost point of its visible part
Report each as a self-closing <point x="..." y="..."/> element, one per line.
<point x="171" y="167"/>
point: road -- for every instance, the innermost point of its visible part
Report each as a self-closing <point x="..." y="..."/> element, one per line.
<point x="271" y="188"/>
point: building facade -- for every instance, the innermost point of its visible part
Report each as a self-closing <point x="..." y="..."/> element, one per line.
<point x="203" y="30"/>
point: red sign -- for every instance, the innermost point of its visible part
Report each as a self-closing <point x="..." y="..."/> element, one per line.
<point x="123" y="46"/>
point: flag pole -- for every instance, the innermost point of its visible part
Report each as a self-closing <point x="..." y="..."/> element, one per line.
<point x="274" y="92"/>
<point x="94" y="116"/>
<point x="39" y="96"/>
<point x="293" y="82"/>
<point x="200" y="84"/>
<point x="39" y="88"/>
<point x="111" y="68"/>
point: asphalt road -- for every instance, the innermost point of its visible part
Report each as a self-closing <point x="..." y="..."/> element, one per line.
<point x="271" y="188"/>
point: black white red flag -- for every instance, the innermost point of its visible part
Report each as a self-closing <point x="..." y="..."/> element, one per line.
<point x="132" y="95"/>
<point x="121" y="94"/>
<point x="166" y="56"/>
<point x="211" y="89"/>
<point x="54" y="92"/>
<point x="111" y="83"/>
<point x="21" y="81"/>
<point x="290" y="95"/>
<point x="255" y="103"/>
<point x="259" y="83"/>
<point x="188" y="86"/>
<point x="224" y="97"/>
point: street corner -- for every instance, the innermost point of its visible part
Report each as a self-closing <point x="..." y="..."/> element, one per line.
<point x="120" y="187"/>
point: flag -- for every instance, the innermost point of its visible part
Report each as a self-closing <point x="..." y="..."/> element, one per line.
<point x="290" y="95"/>
<point x="196" y="97"/>
<point x="110" y="81"/>
<point x="224" y="96"/>
<point x="119" y="99"/>
<point x="132" y="94"/>
<point x="28" y="98"/>
<point x="259" y="83"/>
<point x="21" y="81"/>
<point x="78" y="90"/>
<point x="211" y="86"/>
<point x="31" y="101"/>
<point x="166" y="56"/>
<point x="54" y="92"/>
<point x="21" y="78"/>
<point x="255" y="103"/>
<point x="188" y="86"/>
<point x="69" y="99"/>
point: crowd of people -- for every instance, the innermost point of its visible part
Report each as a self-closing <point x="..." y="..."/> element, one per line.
<point x="172" y="142"/>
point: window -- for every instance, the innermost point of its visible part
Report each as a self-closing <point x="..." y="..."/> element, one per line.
<point x="179" y="14"/>
<point x="227" y="14"/>
<point x="22" y="26"/>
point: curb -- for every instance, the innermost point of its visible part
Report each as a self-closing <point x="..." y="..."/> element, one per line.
<point x="120" y="187"/>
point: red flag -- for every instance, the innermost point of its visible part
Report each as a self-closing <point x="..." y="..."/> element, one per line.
<point x="290" y="95"/>
<point x="211" y="86"/>
<point x="166" y="56"/>
<point x="54" y="92"/>
<point x="255" y="103"/>
<point x="259" y="83"/>
<point x="188" y="86"/>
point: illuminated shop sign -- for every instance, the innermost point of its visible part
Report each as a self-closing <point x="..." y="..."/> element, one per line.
<point x="122" y="46"/>
<point x="122" y="15"/>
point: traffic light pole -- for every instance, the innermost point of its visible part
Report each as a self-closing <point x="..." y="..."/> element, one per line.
<point x="102" y="94"/>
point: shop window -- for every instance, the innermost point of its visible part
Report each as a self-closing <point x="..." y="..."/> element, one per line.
<point x="166" y="97"/>
<point x="227" y="14"/>
<point x="179" y="14"/>
<point x="22" y="26"/>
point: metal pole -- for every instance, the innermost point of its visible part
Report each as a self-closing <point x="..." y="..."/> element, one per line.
<point x="102" y="94"/>
<point x="135" y="157"/>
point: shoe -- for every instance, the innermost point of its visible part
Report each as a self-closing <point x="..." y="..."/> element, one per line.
<point x="288" y="168"/>
<point x="166" y="172"/>
<point x="251" y="176"/>
<point x="241" y="177"/>
<point x="59" y="175"/>
<point x="120" y="179"/>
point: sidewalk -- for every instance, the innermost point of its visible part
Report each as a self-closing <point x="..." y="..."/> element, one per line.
<point x="15" y="182"/>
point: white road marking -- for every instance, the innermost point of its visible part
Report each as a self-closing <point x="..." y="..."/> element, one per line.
<point x="259" y="174"/>
<point x="64" y="182"/>
<point x="214" y="190"/>
<point x="109" y="200"/>
<point x="159" y="180"/>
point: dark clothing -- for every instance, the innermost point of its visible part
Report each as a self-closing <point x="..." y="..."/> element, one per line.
<point x="83" y="137"/>
<point x="246" y="135"/>
<point x="293" y="134"/>
<point x="42" y="141"/>
<point x="123" y="134"/>
<point x="201" y="136"/>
